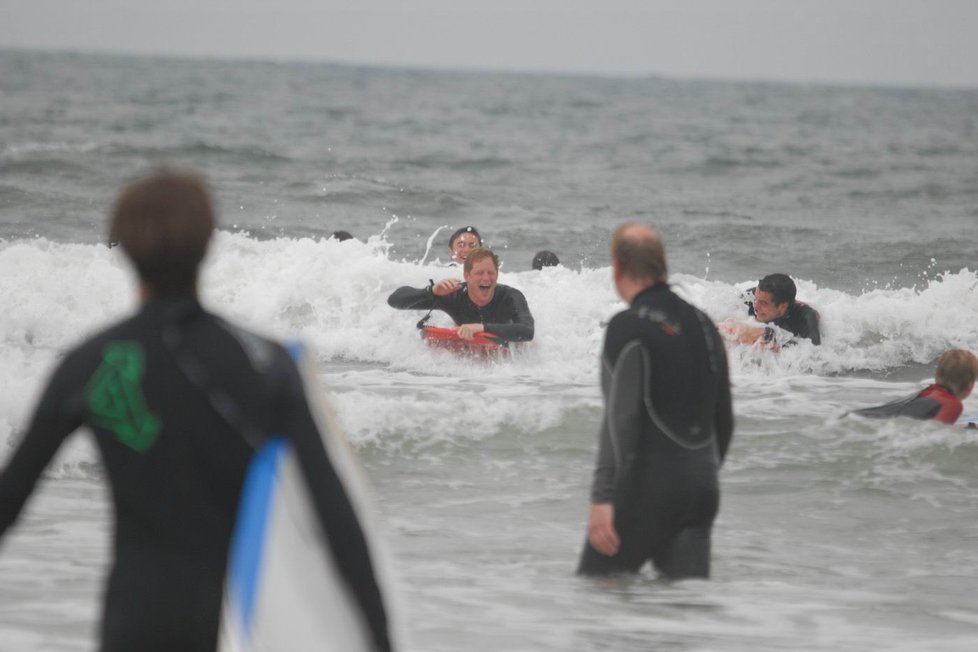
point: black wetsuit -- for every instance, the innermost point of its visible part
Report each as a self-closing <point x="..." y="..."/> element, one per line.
<point x="667" y="426"/>
<point x="507" y="316"/>
<point x="176" y="466"/>
<point x="800" y="320"/>
<point x="935" y="402"/>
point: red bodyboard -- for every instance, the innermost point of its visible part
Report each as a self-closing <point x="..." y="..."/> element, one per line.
<point x="447" y="338"/>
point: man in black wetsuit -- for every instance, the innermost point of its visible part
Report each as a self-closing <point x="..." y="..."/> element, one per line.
<point x="667" y="425"/>
<point x="177" y="401"/>
<point x="773" y="302"/>
<point x="479" y="304"/>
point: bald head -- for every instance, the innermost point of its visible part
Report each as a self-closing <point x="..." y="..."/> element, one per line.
<point x="638" y="253"/>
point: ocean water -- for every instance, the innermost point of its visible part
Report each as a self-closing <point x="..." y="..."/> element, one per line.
<point x="835" y="533"/>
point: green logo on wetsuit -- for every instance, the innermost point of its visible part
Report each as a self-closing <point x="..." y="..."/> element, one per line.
<point x="115" y="398"/>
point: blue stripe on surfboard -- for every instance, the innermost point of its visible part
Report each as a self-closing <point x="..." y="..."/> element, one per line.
<point x="295" y="349"/>
<point x="248" y="543"/>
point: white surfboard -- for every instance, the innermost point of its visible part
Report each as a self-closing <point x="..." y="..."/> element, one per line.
<point x="283" y="590"/>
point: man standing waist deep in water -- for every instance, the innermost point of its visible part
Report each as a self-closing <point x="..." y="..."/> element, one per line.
<point x="667" y="424"/>
<point x="177" y="401"/>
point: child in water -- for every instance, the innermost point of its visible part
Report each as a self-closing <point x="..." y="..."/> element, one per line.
<point x="941" y="401"/>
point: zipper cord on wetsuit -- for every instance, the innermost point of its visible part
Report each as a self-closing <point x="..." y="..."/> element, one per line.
<point x="190" y="366"/>
<point x="424" y="320"/>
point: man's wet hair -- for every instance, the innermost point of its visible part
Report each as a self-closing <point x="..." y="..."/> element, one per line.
<point x="956" y="370"/>
<point x="545" y="258"/>
<point x="779" y="286"/>
<point x="640" y="254"/>
<point x="480" y="253"/>
<point x="342" y="236"/>
<point x="164" y="223"/>
<point x="462" y="231"/>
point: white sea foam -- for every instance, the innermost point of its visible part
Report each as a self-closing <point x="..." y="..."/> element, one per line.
<point x="332" y="295"/>
<point x="33" y="147"/>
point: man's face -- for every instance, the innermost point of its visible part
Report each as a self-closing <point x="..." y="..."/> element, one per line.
<point x="463" y="246"/>
<point x="764" y="307"/>
<point x="481" y="281"/>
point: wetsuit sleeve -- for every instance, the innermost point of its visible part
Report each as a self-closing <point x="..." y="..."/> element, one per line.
<point x="340" y="523"/>
<point x="408" y="298"/>
<point x="603" y="482"/>
<point x="914" y="406"/>
<point x="57" y="415"/>
<point x="724" y="420"/>
<point x="949" y="413"/>
<point x="522" y="327"/>
<point x="950" y="405"/>
<point x="809" y="327"/>
<point x="623" y="379"/>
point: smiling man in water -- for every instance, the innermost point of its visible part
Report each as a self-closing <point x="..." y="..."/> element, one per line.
<point x="463" y="242"/>
<point x="477" y="304"/>
<point x="773" y="304"/>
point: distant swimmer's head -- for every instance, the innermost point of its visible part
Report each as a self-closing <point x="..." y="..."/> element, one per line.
<point x="481" y="270"/>
<point x="638" y="259"/>
<point x="462" y="242"/>
<point x="164" y="223"/>
<point x="342" y="236"/>
<point x="957" y="370"/>
<point x="773" y="297"/>
<point x="545" y="259"/>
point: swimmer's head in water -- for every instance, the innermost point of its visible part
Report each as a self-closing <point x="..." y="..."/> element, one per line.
<point x="957" y="370"/>
<point x="462" y="242"/>
<point x="545" y="258"/>
<point x="773" y="297"/>
<point x="164" y="223"/>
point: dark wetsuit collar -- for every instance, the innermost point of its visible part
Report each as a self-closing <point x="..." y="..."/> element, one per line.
<point x="172" y="307"/>
<point x="649" y="291"/>
<point x="778" y="321"/>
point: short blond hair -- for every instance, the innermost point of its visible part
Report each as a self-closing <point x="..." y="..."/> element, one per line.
<point x="956" y="370"/>
<point x="478" y="254"/>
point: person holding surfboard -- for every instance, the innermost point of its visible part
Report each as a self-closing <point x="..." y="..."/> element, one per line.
<point x="667" y="425"/>
<point x="477" y="304"/>
<point x="954" y="381"/>
<point x="177" y="401"/>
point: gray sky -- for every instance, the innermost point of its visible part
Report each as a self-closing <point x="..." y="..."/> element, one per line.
<point x="912" y="42"/>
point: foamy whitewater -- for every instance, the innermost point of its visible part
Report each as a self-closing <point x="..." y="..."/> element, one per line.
<point x="835" y="533"/>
